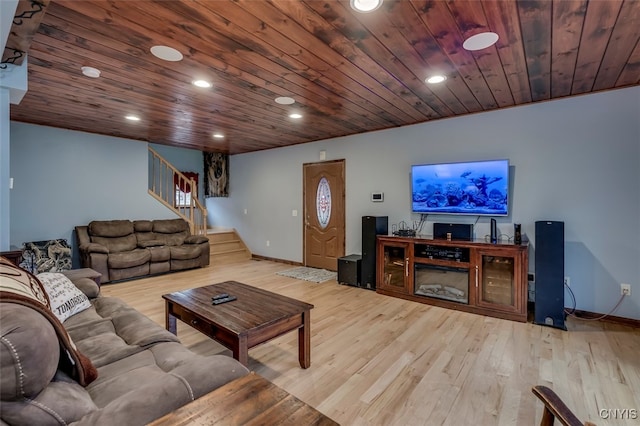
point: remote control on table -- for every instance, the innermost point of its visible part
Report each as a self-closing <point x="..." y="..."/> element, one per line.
<point x="219" y="296"/>
<point x="223" y="300"/>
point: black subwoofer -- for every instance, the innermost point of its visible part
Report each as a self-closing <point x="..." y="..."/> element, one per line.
<point x="349" y="270"/>
<point x="549" y="252"/>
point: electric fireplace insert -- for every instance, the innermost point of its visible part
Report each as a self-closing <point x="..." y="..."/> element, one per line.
<point x="442" y="282"/>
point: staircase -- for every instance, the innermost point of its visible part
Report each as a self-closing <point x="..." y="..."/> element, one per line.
<point x="226" y="246"/>
<point x="173" y="189"/>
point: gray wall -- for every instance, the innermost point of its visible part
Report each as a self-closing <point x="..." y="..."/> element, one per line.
<point x="64" y="178"/>
<point x="575" y="160"/>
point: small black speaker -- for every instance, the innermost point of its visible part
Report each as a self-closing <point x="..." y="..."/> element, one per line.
<point x="457" y="231"/>
<point x="549" y="252"/>
<point x="517" y="233"/>
<point x="349" y="270"/>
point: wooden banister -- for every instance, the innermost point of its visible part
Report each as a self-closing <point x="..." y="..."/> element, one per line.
<point x="165" y="183"/>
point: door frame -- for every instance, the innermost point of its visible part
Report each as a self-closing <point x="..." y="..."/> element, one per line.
<point x="343" y="215"/>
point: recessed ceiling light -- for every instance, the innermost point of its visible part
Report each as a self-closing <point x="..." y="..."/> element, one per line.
<point x="91" y="72"/>
<point x="202" y="83"/>
<point x="365" y="5"/>
<point x="132" y="118"/>
<point x="218" y="135"/>
<point x="166" y="53"/>
<point x="480" y="41"/>
<point x="284" y="100"/>
<point x="436" y="79"/>
<point x="295" y="115"/>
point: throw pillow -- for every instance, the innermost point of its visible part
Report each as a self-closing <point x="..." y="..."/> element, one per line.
<point x="66" y="299"/>
<point x="46" y="256"/>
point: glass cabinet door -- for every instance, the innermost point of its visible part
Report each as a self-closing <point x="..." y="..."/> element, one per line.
<point x="395" y="268"/>
<point x="497" y="282"/>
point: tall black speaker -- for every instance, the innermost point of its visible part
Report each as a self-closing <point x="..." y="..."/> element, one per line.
<point x="549" y="299"/>
<point x="371" y="227"/>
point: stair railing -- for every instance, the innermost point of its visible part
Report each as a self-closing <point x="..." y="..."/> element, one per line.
<point x="177" y="192"/>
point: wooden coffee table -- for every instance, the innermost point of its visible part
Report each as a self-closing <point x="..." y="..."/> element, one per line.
<point x="255" y="317"/>
<point x="249" y="400"/>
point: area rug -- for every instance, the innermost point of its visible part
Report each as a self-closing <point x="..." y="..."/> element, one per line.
<point x="309" y="274"/>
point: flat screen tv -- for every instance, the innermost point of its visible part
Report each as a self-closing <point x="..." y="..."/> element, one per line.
<point x="478" y="188"/>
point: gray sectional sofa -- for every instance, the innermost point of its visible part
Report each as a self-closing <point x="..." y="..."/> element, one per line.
<point x="143" y="372"/>
<point x="124" y="249"/>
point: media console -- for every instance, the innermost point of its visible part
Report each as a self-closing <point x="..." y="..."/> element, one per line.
<point x="471" y="276"/>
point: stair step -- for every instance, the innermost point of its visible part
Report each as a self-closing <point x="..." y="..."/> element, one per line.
<point x="220" y="246"/>
<point x="224" y="242"/>
<point x="238" y="256"/>
<point x="226" y="249"/>
<point x="226" y="246"/>
<point x="237" y="250"/>
<point x="222" y="237"/>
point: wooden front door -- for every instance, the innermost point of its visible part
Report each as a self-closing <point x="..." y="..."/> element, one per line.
<point x="324" y="214"/>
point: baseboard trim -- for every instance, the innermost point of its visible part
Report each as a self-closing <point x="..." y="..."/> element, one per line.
<point x="273" y="259"/>
<point x="610" y="318"/>
<point x="590" y="316"/>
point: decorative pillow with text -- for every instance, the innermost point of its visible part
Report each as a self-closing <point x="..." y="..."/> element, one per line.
<point x="66" y="299"/>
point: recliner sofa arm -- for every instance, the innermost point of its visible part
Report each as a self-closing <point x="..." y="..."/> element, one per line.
<point x="94" y="248"/>
<point x="196" y="239"/>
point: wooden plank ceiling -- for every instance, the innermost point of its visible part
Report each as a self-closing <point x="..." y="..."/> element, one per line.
<point x="348" y="72"/>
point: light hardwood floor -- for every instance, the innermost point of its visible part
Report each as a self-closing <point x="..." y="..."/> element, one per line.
<point x="378" y="360"/>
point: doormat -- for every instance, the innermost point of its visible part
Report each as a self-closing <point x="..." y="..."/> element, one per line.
<point x="309" y="274"/>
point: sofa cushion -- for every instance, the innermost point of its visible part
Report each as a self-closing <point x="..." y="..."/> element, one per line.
<point x="160" y="254"/>
<point x="142" y="225"/>
<point x="123" y="274"/>
<point x="110" y="228"/>
<point x="62" y="402"/>
<point x="128" y="390"/>
<point x="117" y="244"/>
<point x="66" y="299"/>
<point x="203" y="373"/>
<point x="175" y="239"/>
<point x="112" y="330"/>
<point x="128" y="259"/>
<point x="170" y="226"/>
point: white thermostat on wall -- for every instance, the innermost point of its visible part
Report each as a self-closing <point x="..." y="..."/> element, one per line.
<point x="377" y="197"/>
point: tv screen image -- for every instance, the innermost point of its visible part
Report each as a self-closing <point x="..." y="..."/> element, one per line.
<point x="472" y="188"/>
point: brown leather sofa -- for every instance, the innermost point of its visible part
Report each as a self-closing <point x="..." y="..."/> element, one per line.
<point x="124" y="249"/>
<point x="139" y="370"/>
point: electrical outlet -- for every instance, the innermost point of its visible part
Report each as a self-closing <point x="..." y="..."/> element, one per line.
<point x="268" y="243"/>
<point x="531" y="277"/>
<point x="567" y="281"/>
<point x="625" y="289"/>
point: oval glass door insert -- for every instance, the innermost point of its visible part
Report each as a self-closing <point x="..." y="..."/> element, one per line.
<point x="323" y="202"/>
